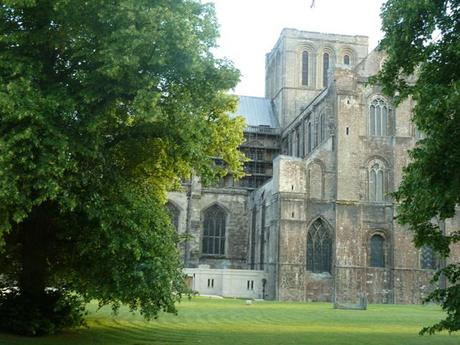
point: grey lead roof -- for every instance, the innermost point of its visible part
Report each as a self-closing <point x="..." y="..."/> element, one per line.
<point x="257" y="111"/>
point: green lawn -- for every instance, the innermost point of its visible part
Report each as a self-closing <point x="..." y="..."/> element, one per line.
<point x="232" y="322"/>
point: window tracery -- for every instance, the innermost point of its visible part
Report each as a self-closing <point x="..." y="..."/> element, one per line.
<point x="379" y="113"/>
<point x="427" y="258"/>
<point x="319" y="248"/>
<point x="214" y="231"/>
<point x="376" y="181"/>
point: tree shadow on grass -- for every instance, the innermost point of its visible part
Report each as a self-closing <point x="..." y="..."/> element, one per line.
<point x="121" y="332"/>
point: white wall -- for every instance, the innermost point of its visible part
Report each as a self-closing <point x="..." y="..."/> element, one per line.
<point x="227" y="282"/>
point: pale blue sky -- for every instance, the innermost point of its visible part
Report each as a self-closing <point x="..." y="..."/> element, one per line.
<point x="250" y="28"/>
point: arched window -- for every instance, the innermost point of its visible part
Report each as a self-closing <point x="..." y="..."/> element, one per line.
<point x="174" y="214"/>
<point x="346" y="59"/>
<point x="325" y="68"/>
<point x="310" y="139"/>
<point x="379" y="113"/>
<point x="305" y="68"/>
<point x="427" y="258"/>
<point x="376" y="182"/>
<point x="319" y="248"/>
<point x="377" y="251"/>
<point x="214" y="231"/>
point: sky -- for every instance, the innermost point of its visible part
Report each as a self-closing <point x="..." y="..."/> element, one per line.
<point x="250" y="28"/>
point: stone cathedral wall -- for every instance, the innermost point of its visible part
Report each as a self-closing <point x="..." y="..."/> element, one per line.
<point x="192" y="208"/>
<point x="330" y="181"/>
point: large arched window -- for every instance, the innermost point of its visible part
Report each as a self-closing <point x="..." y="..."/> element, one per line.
<point x="325" y="68"/>
<point x="319" y="248"/>
<point x="379" y="113"/>
<point x="214" y="231"/>
<point x="376" y="182"/>
<point x="377" y="257"/>
<point x="174" y="214"/>
<point x="305" y="68"/>
<point x="427" y="258"/>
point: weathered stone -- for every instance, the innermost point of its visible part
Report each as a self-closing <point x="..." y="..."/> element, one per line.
<point x="341" y="160"/>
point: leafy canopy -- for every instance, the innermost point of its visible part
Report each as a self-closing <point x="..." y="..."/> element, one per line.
<point x="104" y="106"/>
<point x="422" y="38"/>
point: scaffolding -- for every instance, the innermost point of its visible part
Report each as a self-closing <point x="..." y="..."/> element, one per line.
<point x="261" y="146"/>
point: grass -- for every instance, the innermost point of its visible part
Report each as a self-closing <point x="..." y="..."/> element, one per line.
<point x="232" y="322"/>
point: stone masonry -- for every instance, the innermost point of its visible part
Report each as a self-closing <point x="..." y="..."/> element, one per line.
<point x="320" y="220"/>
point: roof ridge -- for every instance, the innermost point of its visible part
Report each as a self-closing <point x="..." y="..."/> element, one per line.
<point x="254" y="97"/>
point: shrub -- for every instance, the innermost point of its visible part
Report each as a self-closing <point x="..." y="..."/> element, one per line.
<point x="48" y="314"/>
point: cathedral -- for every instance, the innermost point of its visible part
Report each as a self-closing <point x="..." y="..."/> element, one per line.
<point x="314" y="219"/>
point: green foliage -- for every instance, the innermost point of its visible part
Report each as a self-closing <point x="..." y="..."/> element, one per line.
<point x="422" y="39"/>
<point x="57" y="309"/>
<point x="104" y="107"/>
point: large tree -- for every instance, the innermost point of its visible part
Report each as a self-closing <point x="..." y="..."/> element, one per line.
<point x="422" y="39"/>
<point x="104" y="106"/>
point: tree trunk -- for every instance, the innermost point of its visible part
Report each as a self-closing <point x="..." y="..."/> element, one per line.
<point x="35" y="271"/>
